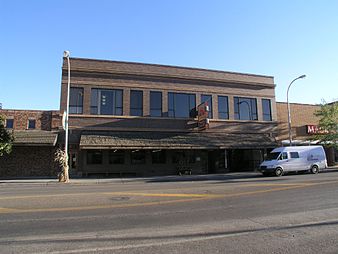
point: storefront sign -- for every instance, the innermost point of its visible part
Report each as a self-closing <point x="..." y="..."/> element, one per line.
<point x="203" y="120"/>
<point x="314" y="129"/>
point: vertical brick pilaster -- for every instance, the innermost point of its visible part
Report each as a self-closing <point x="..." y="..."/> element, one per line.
<point x="215" y="106"/>
<point x="86" y="100"/>
<point x="146" y="103"/>
<point x="259" y="109"/>
<point x="165" y="103"/>
<point x="231" y="108"/>
<point x="126" y="102"/>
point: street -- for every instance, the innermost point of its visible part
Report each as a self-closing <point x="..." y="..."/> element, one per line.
<point x="233" y="213"/>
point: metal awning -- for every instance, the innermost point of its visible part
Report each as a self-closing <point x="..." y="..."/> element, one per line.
<point x="161" y="140"/>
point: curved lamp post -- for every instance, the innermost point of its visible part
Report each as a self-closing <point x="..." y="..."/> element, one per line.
<point x="66" y="54"/>
<point x="287" y="99"/>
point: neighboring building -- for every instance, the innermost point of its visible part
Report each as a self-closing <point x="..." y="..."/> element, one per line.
<point x="140" y="119"/>
<point x="35" y="137"/>
<point x="304" y="124"/>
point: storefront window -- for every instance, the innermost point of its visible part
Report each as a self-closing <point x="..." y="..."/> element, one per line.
<point x="158" y="156"/>
<point x="76" y="100"/>
<point x="138" y="157"/>
<point x="155" y="104"/>
<point x="181" y="105"/>
<point x="245" y="108"/>
<point x="106" y="102"/>
<point x="208" y="99"/>
<point x="136" y="103"/>
<point x="116" y="157"/>
<point x="94" y="157"/>
<point x="223" y="107"/>
<point x="266" y="105"/>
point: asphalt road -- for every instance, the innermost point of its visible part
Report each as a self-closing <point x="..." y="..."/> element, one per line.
<point x="222" y="214"/>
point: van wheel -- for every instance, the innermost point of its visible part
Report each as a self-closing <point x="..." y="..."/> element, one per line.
<point x="279" y="171"/>
<point x="314" y="169"/>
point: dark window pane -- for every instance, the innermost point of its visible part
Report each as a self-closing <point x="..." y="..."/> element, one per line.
<point x="116" y="157"/>
<point x="9" y="123"/>
<point x="223" y="109"/>
<point x="158" y="156"/>
<point x="294" y="155"/>
<point x="94" y="157"/>
<point x="208" y="99"/>
<point x="31" y="124"/>
<point x="76" y="100"/>
<point x="245" y="108"/>
<point x="106" y="102"/>
<point x="266" y="105"/>
<point x="156" y="104"/>
<point x="181" y="105"/>
<point x="138" y="157"/>
<point x="136" y="103"/>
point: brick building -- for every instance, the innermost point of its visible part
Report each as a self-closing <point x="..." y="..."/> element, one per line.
<point x="35" y="137"/>
<point x="140" y="119"/>
<point x="303" y="121"/>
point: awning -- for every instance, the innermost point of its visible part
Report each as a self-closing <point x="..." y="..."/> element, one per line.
<point x="161" y="140"/>
<point x="34" y="138"/>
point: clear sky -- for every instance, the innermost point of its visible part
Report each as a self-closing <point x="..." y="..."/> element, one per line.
<point x="280" y="38"/>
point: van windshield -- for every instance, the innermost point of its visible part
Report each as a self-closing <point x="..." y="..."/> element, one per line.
<point x="272" y="156"/>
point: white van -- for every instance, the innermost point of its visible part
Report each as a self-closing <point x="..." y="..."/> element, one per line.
<point x="294" y="159"/>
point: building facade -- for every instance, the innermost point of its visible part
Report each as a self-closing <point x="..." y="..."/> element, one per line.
<point x="35" y="140"/>
<point x="135" y="119"/>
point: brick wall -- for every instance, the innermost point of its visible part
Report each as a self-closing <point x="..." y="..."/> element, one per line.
<point x="44" y="120"/>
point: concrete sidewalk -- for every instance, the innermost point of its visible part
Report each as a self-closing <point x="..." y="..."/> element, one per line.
<point x="154" y="179"/>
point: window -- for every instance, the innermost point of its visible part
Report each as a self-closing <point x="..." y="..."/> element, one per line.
<point x="138" y="157"/>
<point x="158" y="156"/>
<point x="283" y="156"/>
<point x="116" y="157"/>
<point x="223" y="107"/>
<point x="94" y="157"/>
<point x="181" y="105"/>
<point x="136" y="103"/>
<point x="208" y="99"/>
<point x="9" y="123"/>
<point x="156" y="104"/>
<point x="245" y="108"/>
<point x="76" y="100"/>
<point x="31" y="124"/>
<point x="294" y="155"/>
<point x="106" y="102"/>
<point x="266" y="105"/>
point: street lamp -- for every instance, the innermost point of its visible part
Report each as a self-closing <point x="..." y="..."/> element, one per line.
<point x="287" y="99"/>
<point x="66" y="54"/>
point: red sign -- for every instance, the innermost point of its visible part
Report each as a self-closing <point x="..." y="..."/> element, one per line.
<point x="314" y="129"/>
<point x="203" y="112"/>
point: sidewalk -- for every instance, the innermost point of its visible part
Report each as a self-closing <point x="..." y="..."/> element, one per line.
<point x="153" y="179"/>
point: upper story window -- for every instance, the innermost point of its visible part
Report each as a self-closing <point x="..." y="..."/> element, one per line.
<point x="181" y="105"/>
<point x="136" y="103"/>
<point x="223" y="107"/>
<point x="245" y="108"/>
<point x="266" y="105"/>
<point x="208" y="100"/>
<point x="76" y="100"/>
<point x="31" y="123"/>
<point x="9" y="123"/>
<point x="155" y="103"/>
<point x="106" y="102"/>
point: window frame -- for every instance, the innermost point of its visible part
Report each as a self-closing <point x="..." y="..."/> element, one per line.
<point x="210" y="113"/>
<point x="12" y="121"/>
<point x="137" y="108"/>
<point x="29" y="127"/>
<point x="153" y="108"/>
<point x="96" y="94"/>
<point x="227" y="107"/>
<point x="172" y="98"/>
<point x="267" y="116"/>
<point x="250" y="104"/>
<point x="77" y="107"/>
<point x="94" y="162"/>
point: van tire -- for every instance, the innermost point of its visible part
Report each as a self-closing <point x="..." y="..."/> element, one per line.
<point x="314" y="169"/>
<point x="278" y="171"/>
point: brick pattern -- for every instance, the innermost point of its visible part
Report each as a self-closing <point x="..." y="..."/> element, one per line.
<point x="44" y="120"/>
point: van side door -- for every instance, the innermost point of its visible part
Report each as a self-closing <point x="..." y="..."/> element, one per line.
<point x="284" y="161"/>
<point x="296" y="163"/>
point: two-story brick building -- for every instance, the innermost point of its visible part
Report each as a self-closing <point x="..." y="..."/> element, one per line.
<point x="140" y="119"/>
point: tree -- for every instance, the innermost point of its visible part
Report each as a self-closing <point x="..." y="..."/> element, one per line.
<point x="6" y="138"/>
<point x="328" y="124"/>
<point x="61" y="159"/>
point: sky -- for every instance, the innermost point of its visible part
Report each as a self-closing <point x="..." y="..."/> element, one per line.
<point x="280" y="38"/>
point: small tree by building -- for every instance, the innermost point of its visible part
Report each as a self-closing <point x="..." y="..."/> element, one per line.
<point x="6" y="138"/>
<point x="61" y="159"/>
<point x="328" y="124"/>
